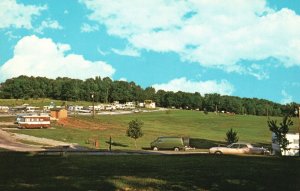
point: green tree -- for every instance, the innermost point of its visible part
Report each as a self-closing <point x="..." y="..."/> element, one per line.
<point x="135" y="130"/>
<point x="231" y="136"/>
<point x="281" y="130"/>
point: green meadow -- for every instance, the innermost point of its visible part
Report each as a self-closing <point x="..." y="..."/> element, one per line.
<point x="29" y="171"/>
<point x="205" y="130"/>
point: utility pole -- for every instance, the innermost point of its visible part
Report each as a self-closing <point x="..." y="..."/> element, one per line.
<point x="93" y="97"/>
<point x="106" y="98"/>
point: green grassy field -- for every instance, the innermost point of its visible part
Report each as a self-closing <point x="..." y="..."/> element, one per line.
<point x="40" y="102"/>
<point x="147" y="172"/>
<point x="21" y="171"/>
<point x="204" y="130"/>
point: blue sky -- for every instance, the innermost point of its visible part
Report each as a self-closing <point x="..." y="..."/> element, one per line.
<point x="246" y="48"/>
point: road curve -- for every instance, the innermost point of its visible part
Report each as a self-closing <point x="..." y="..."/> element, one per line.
<point x="7" y="141"/>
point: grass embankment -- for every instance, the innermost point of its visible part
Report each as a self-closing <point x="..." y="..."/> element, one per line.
<point x="151" y="172"/>
<point x="205" y="130"/>
<point x="40" y="102"/>
<point x="7" y="118"/>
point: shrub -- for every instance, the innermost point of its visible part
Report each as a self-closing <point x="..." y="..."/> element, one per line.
<point x="231" y="136"/>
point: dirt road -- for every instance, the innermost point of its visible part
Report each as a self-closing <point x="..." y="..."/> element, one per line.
<point x="7" y="141"/>
<point x="11" y="141"/>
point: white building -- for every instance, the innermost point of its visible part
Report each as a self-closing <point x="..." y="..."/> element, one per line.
<point x="293" y="147"/>
<point x="149" y="104"/>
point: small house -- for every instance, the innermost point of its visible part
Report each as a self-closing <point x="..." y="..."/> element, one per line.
<point x="59" y="113"/>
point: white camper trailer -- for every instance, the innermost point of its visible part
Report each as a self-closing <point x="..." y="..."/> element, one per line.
<point x="293" y="147"/>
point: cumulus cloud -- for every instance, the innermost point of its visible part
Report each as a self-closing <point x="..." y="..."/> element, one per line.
<point x="182" y="84"/>
<point x="13" y="14"/>
<point x="34" y="56"/>
<point x="214" y="34"/>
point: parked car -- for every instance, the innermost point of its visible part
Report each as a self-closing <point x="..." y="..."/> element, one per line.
<point x="238" y="148"/>
<point x="169" y="143"/>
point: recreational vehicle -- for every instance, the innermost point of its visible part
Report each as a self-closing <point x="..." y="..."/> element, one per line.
<point x="34" y="121"/>
<point x="292" y="148"/>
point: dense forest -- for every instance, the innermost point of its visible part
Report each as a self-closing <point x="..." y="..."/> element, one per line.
<point x="105" y="90"/>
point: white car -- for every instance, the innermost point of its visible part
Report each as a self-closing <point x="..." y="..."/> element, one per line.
<point x="238" y="148"/>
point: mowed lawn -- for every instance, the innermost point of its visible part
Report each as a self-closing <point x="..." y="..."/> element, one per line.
<point x="204" y="130"/>
<point x="21" y="171"/>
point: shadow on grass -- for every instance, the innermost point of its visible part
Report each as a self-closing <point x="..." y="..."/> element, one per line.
<point x="20" y="171"/>
<point x="116" y="144"/>
<point x="204" y="143"/>
<point x="200" y="143"/>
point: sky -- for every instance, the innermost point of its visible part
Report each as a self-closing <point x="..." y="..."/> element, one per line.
<point x="245" y="48"/>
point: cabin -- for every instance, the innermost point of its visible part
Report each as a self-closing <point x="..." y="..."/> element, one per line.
<point x="59" y="113"/>
<point x="34" y="121"/>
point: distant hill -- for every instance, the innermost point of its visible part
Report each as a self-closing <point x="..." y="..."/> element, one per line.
<point x="107" y="90"/>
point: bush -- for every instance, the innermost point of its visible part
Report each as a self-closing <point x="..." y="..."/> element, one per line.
<point x="231" y="136"/>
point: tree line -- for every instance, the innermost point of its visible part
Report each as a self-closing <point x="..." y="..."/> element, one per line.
<point x="106" y="90"/>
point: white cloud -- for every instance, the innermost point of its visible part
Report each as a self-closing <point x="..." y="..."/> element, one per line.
<point x="48" y="24"/>
<point x="123" y="79"/>
<point x="17" y="15"/>
<point x="286" y="97"/>
<point x="128" y="51"/>
<point x="88" y="28"/>
<point x="257" y="71"/>
<point x="103" y="53"/>
<point x="213" y="33"/>
<point x="35" y="56"/>
<point x="182" y="84"/>
<point x="11" y="35"/>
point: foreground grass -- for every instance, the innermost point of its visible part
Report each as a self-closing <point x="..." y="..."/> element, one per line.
<point x="205" y="130"/>
<point x="147" y="172"/>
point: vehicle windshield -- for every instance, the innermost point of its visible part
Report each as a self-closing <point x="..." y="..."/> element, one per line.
<point x="233" y="146"/>
<point x="229" y="146"/>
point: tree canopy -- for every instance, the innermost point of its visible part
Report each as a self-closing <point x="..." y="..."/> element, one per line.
<point x="106" y="90"/>
<point x="135" y="130"/>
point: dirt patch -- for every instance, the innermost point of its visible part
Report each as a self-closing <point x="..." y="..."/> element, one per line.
<point x="82" y="124"/>
<point x="42" y="141"/>
<point x="8" y="141"/>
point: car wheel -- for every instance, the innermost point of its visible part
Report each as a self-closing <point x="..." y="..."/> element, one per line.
<point x="155" y="148"/>
<point x="218" y="153"/>
<point x="176" y="149"/>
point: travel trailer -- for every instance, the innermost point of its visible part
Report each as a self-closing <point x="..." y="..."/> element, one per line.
<point x="33" y="121"/>
<point x="293" y="147"/>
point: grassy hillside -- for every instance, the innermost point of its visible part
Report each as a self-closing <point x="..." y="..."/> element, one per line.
<point x="205" y="130"/>
<point x="147" y="172"/>
<point x="40" y="102"/>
